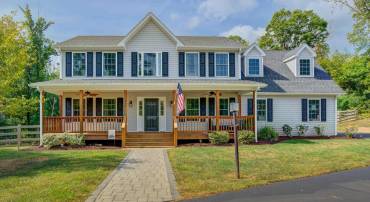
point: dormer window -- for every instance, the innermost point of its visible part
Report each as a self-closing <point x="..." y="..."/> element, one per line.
<point x="304" y="67"/>
<point x="254" y="66"/>
<point x="109" y="64"/>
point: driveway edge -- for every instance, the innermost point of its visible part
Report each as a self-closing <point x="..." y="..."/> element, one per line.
<point x="171" y="177"/>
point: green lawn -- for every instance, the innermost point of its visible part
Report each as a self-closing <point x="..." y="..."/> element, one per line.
<point x="69" y="175"/>
<point x="203" y="171"/>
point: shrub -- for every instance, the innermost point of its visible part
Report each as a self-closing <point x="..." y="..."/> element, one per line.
<point x="319" y="130"/>
<point x="287" y="130"/>
<point x="62" y="139"/>
<point x="268" y="133"/>
<point x="219" y="137"/>
<point x="302" y="129"/>
<point x="246" y="136"/>
<point x="350" y="131"/>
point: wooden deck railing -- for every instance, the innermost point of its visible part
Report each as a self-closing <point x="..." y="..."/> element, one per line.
<point x="201" y="124"/>
<point x="90" y="124"/>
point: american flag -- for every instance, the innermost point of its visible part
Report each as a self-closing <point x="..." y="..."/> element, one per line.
<point x="180" y="100"/>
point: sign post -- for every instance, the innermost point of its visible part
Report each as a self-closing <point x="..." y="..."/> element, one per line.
<point x="234" y="108"/>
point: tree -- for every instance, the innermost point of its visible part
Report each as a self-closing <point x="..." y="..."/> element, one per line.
<point x="40" y="49"/>
<point x="360" y="35"/>
<point x="288" y="29"/>
<point x="239" y="39"/>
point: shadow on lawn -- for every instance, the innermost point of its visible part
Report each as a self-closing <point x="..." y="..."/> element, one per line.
<point x="56" y="161"/>
<point x="300" y="141"/>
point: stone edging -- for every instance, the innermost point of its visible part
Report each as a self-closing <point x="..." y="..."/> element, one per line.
<point x="95" y="195"/>
<point x="171" y="177"/>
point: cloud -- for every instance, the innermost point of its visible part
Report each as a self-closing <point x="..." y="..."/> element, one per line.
<point x="339" y="19"/>
<point x="246" y="32"/>
<point x="174" y="16"/>
<point x="193" y="22"/>
<point x="222" y="9"/>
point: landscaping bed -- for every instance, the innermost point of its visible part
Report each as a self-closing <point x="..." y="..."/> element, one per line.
<point x="201" y="171"/>
<point x="54" y="175"/>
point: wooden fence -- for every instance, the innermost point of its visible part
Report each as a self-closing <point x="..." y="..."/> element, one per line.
<point x="20" y="134"/>
<point x="348" y="115"/>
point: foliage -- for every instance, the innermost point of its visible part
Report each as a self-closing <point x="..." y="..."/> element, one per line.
<point x="219" y="137"/>
<point x="63" y="139"/>
<point x="350" y="131"/>
<point x="239" y="39"/>
<point x="287" y="130"/>
<point x="246" y="136"/>
<point x="302" y="129"/>
<point x="288" y="29"/>
<point x="268" y="134"/>
<point x="352" y="73"/>
<point x="319" y="130"/>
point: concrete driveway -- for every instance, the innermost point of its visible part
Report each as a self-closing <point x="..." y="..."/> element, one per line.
<point x="351" y="186"/>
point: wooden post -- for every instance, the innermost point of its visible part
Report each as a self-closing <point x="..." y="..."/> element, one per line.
<point x="42" y="103"/>
<point x="124" y="124"/>
<point x="174" y="122"/>
<point x="81" y="112"/>
<point x="18" y="136"/>
<point x="255" y="115"/>
<point x="240" y="105"/>
<point x="217" y="110"/>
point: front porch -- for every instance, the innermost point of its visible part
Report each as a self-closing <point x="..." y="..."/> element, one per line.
<point x="150" y="115"/>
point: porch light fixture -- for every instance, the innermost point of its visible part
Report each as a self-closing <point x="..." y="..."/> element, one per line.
<point x="171" y="102"/>
<point x="130" y="103"/>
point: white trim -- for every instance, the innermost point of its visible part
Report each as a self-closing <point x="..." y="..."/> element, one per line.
<point x="299" y="67"/>
<point x="158" y="66"/>
<point x="260" y="66"/>
<point x="103" y="63"/>
<point x="102" y="104"/>
<point x="264" y="99"/>
<point x="140" y="125"/>
<point x="228" y="64"/>
<point x="304" y="46"/>
<point x="41" y="118"/>
<point x="254" y="45"/>
<point x="308" y="109"/>
<point x="255" y="117"/>
<point x="85" y="65"/>
<point x="335" y="116"/>
<point x="185" y="53"/>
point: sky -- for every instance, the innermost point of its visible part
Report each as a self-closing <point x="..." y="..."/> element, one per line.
<point x="247" y="18"/>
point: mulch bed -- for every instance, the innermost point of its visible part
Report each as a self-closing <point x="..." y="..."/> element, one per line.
<point x="88" y="147"/>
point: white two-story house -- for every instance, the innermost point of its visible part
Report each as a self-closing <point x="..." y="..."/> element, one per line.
<point x="127" y="85"/>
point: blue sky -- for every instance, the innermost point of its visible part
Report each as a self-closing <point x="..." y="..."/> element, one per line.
<point x="247" y="18"/>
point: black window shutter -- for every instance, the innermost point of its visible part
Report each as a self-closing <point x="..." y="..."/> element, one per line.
<point x="211" y="106"/>
<point x="68" y="106"/>
<point x="181" y="64"/>
<point x="304" y="110"/>
<point x="323" y="110"/>
<point x="134" y="64"/>
<point x="120" y="106"/>
<point x="68" y="64"/>
<point x="120" y="64"/>
<point x="231" y="100"/>
<point x="89" y="106"/>
<point x="165" y="64"/>
<point x="98" y="103"/>
<point x="242" y="61"/>
<point x="203" y="106"/>
<point x="232" y="64"/>
<point x="211" y="64"/>
<point x="202" y="64"/>
<point x="90" y="64"/>
<point x="250" y="106"/>
<point x="99" y="67"/>
<point x="269" y="110"/>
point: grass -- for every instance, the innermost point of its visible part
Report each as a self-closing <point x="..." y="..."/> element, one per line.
<point x="202" y="171"/>
<point x="69" y="175"/>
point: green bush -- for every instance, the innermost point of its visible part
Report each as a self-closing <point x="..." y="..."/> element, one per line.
<point x="268" y="134"/>
<point x="319" y="130"/>
<point x="302" y="129"/>
<point x="246" y="136"/>
<point x="62" y="139"/>
<point x="287" y="130"/>
<point x="219" y="137"/>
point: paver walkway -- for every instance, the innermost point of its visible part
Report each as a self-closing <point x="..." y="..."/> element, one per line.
<point x="144" y="175"/>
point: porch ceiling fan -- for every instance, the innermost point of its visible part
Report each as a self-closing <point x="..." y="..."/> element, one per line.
<point x="88" y="93"/>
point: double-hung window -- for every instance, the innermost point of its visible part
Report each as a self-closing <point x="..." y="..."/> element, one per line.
<point x="192" y="107"/>
<point x="253" y="66"/>
<point x="76" y="107"/>
<point x="224" y="106"/>
<point x="110" y="64"/>
<point x="109" y="107"/>
<point x="79" y="64"/>
<point x="314" y="110"/>
<point x="261" y="110"/>
<point x="222" y="64"/>
<point x="149" y="64"/>
<point x="192" y="64"/>
<point x="304" y="67"/>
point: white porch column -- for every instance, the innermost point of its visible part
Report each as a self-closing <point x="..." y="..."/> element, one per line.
<point x="41" y="113"/>
<point x="255" y="114"/>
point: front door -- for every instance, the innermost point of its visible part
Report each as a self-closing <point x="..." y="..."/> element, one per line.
<point x="151" y="114"/>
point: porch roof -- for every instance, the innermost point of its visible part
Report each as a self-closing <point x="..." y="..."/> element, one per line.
<point x="58" y="86"/>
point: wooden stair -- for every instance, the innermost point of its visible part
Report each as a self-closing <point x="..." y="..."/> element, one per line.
<point x="149" y="139"/>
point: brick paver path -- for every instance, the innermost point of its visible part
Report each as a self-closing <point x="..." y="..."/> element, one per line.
<point x="144" y="175"/>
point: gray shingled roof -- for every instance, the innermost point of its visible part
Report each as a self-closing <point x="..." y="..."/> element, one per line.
<point x="280" y="79"/>
<point x="113" y="41"/>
